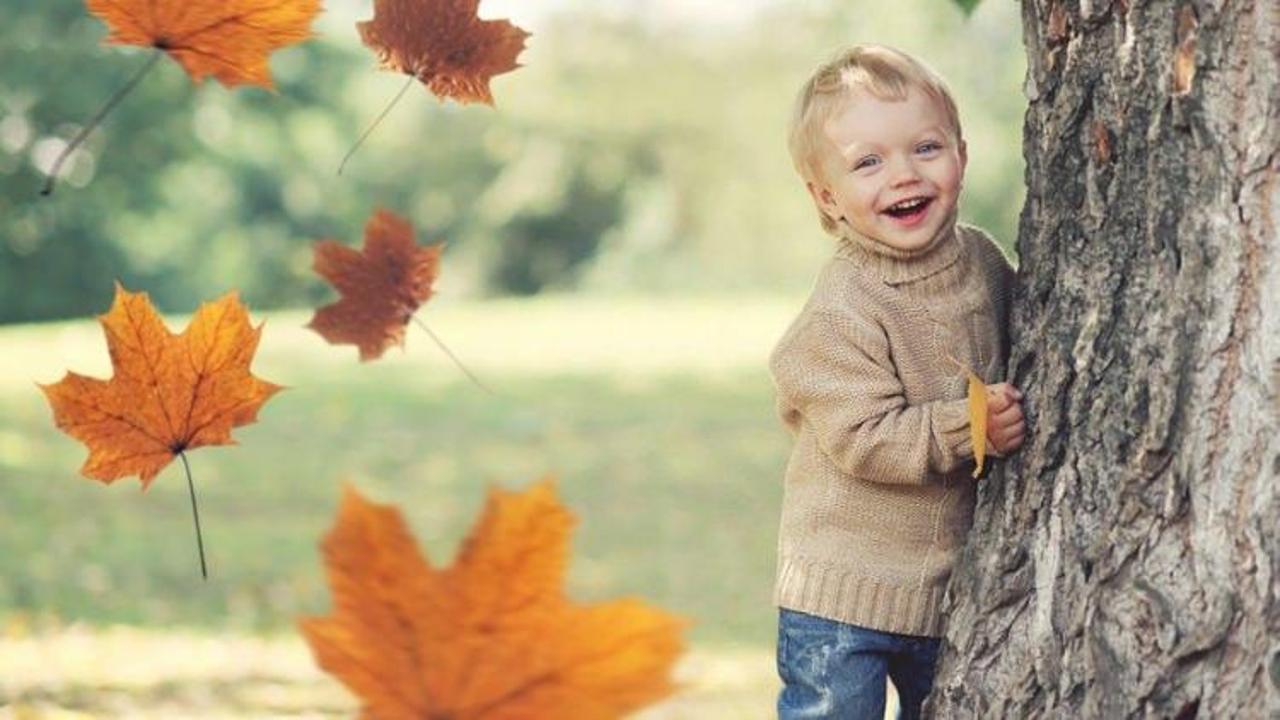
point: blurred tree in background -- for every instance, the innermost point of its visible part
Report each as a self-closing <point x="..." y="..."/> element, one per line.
<point x="633" y="153"/>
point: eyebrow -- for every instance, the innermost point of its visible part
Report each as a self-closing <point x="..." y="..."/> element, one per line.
<point x="939" y="129"/>
<point x="857" y="151"/>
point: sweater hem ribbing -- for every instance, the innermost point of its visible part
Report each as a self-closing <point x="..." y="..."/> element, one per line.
<point x="839" y="594"/>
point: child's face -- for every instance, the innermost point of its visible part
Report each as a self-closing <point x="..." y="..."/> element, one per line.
<point x="881" y="153"/>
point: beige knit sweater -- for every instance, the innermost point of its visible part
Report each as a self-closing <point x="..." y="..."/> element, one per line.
<point x="878" y="495"/>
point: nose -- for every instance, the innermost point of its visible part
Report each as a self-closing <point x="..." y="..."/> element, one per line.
<point x="903" y="173"/>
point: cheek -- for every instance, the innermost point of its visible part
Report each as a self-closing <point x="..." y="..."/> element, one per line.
<point x="948" y="176"/>
<point x="861" y="198"/>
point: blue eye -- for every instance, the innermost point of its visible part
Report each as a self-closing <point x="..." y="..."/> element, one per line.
<point x="867" y="161"/>
<point x="929" y="146"/>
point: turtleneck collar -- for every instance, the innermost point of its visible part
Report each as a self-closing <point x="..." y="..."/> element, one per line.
<point x="896" y="266"/>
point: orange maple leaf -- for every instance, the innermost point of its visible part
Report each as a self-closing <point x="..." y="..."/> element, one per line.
<point x="490" y="637"/>
<point x="443" y="44"/>
<point x="228" y="39"/>
<point x="170" y="393"/>
<point x="381" y="286"/>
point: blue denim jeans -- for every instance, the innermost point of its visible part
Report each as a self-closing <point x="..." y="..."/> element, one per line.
<point x="835" y="670"/>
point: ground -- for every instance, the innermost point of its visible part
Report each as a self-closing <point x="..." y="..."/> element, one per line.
<point x="80" y="673"/>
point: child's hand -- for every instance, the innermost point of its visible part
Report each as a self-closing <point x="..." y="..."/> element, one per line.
<point x="1005" y="427"/>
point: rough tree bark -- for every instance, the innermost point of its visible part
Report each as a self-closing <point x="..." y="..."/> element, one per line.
<point x="1125" y="562"/>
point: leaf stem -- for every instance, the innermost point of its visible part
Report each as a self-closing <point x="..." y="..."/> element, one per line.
<point x="368" y="131"/>
<point x="452" y="357"/>
<point x="195" y="512"/>
<point x="96" y="120"/>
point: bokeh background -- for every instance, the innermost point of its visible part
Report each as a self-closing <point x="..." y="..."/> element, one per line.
<point x="625" y="240"/>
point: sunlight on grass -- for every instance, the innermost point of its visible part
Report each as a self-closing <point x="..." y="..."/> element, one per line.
<point x="128" y="672"/>
<point x="539" y="336"/>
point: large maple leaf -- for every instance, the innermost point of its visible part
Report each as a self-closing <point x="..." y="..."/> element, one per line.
<point x="170" y="393"/>
<point x="443" y="44"/>
<point x="491" y="637"/>
<point x="381" y="286"/>
<point x="228" y="39"/>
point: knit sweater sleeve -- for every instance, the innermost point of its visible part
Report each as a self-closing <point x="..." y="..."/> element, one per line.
<point x="1001" y="277"/>
<point x="835" y="375"/>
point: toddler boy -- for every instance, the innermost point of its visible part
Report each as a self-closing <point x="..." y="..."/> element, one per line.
<point x="878" y="496"/>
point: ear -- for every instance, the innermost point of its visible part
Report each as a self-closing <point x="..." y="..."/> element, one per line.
<point x="824" y="199"/>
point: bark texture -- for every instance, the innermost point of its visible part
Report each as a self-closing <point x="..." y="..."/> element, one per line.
<point x="1126" y="563"/>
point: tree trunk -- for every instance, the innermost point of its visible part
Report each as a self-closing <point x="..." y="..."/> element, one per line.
<point x="1124" y="563"/>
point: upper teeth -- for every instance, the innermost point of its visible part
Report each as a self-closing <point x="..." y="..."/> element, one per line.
<point x="905" y="204"/>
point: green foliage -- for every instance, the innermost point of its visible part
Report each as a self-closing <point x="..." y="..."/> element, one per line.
<point x="967" y="6"/>
<point x="546" y="244"/>
<point x="628" y="154"/>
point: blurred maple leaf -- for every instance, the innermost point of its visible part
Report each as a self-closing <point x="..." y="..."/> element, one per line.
<point x="443" y="44"/>
<point x="228" y="39"/>
<point x="381" y="286"/>
<point x="170" y="393"/>
<point x="490" y="637"/>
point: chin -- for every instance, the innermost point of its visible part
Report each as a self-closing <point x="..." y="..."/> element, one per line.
<point x="912" y="239"/>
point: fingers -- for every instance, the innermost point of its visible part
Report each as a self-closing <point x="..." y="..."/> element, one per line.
<point x="1008" y="438"/>
<point x="1001" y="395"/>
<point x="1009" y="415"/>
<point x="1004" y="389"/>
<point x="997" y="399"/>
<point x="1003" y="415"/>
<point x="1006" y="425"/>
<point x="1012" y="442"/>
<point x="1005" y="441"/>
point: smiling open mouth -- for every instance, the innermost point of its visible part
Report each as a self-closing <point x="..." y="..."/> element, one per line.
<point x="909" y="209"/>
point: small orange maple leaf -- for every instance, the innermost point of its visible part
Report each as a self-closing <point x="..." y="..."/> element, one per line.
<point x="490" y="637"/>
<point x="381" y="286"/>
<point x="443" y="44"/>
<point x="170" y="393"/>
<point x="228" y="39"/>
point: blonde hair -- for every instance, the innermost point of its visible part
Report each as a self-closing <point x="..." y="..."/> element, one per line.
<point x="884" y="72"/>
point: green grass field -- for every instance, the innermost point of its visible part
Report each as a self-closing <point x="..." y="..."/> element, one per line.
<point x="655" y="417"/>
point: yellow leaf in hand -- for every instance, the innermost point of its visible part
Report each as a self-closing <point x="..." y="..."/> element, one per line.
<point x="977" y="420"/>
<point x="977" y="415"/>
